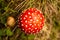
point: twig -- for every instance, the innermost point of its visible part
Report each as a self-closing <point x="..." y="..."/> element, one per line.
<point x="7" y="38"/>
<point x="23" y="5"/>
<point x="7" y="8"/>
<point x="14" y="29"/>
<point x="52" y="7"/>
<point x="19" y="5"/>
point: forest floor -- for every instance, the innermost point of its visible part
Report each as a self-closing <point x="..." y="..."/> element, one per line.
<point x="51" y="12"/>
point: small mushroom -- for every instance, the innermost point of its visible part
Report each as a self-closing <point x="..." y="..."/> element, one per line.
<point x="10" y="21"/>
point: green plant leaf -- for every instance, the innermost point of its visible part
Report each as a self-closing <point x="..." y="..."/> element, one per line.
<point x="23" y="36"/>
<point x="3" y="19"/>
<point x="31" y="37"/>
<point x="1" y="32"/>
<point x="9" y="32"/>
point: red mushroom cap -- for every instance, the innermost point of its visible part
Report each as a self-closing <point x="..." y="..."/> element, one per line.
<point x="31" y="21"/>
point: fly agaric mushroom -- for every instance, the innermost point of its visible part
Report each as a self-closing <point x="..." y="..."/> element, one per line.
<point x="31" y="21"/>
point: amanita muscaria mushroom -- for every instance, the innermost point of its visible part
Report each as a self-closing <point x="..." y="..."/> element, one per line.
<point x="31" y="21"/>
